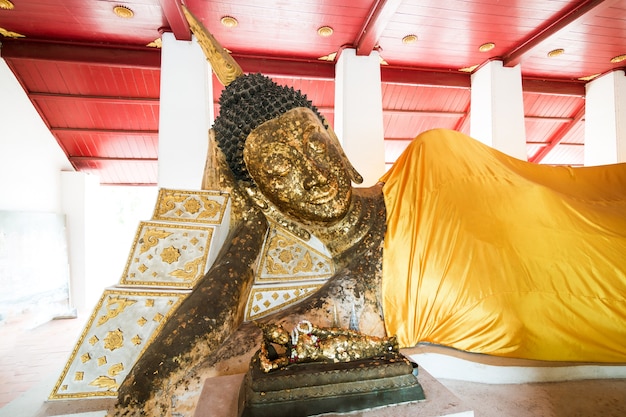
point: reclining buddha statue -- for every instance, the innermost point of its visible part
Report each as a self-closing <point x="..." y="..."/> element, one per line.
<point x="459" y="245"/>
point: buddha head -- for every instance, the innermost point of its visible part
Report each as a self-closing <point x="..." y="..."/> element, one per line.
<point x="274" y="333"/>
<point x="282" y="152"/>
<point x="294" y="164"/>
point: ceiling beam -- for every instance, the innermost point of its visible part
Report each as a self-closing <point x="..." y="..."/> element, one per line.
<point x="424" y="76"/>
<point x="379" y="16"/>
<point x="325" y="70"/>
<point x="110" y="158"/>
<point x="94" y="99"/>
<point x="554" y="87"/>
<point x="122" y="132"/>
<point x="558" y="136"/>
<point x="551" y="119"/>
<point x="81" y="53"/>
<point x="462" y="120"/>
<point x="176" y="19"/>
<point x="150" y="58"/>
<point x="423" y="113"/>
<point x="516" y="55"/>
<point x="286" y="67"/>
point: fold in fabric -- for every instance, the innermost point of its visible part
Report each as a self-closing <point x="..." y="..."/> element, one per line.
<point x="490" y="254"/>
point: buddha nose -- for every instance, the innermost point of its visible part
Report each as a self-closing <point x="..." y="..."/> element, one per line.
<point x="315" y="176"/>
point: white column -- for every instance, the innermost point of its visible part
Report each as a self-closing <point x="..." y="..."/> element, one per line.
<point x="359" y="113"/>
<point x="605" y="119"/>
<point x="497" y="109"/>
<point x="186" y="113"/>
<point x="79" y="199"/>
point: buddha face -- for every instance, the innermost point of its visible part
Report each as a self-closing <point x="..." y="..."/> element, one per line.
<point x="297" y="167"/>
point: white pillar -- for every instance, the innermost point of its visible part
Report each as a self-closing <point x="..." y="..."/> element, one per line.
<point x="359" y="113"/>
<point x="186" y="113"/>
<point x="605" y="119"/>
<point x="80" y="202"/>
<point x="497" y="109"/>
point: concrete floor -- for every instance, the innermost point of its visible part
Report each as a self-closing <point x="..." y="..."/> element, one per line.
<point x="33" y="352"/>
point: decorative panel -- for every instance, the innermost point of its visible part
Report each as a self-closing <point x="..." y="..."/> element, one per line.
<point x="120" y="328"/>
<point x="289" y="270"/>
<point x="206" y="207"/>
<point x="168" y="254"/>
<point x="285" y="257"/>
<point x="266" y="299"/>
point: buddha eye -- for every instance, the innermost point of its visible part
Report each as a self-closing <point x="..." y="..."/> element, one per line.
<point x="277" y="165"/>
<point x="317" y="144"/>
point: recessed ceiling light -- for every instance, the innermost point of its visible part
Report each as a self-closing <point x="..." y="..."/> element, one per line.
<point x="325" y="31"/>
<point x="409" y="39"/>
<point x="229" y="21"/>
<point x="123" y="12"/>
<point x="618" y="58"/>
<point x="486" y="47"/>
<point x="556" y="52"/>
<point x="6" y="5"/>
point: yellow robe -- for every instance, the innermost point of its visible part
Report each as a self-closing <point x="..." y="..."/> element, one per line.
<point x="490" y="254"/>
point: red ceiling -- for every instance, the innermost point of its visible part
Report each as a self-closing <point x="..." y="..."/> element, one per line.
<point x="95" y="82"/>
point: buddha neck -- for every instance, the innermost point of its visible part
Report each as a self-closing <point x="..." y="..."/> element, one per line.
<point x="345" y="234"/>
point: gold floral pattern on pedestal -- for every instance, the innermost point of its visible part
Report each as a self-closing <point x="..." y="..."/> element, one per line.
<point x="205" y="207"/>
<point x="107" y="349"/>
<point x="168" y="254"/>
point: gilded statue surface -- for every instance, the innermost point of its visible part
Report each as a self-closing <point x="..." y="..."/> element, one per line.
<point x="458" y="245"/>
<point x="309" y="343"/>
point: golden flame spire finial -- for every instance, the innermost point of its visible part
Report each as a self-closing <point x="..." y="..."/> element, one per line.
<point x="224" y="66"/>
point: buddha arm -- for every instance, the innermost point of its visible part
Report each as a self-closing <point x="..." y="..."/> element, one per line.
<point x="203" y="321"/>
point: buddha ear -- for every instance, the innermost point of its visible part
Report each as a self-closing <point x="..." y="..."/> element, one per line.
<point x="352" y="172"/>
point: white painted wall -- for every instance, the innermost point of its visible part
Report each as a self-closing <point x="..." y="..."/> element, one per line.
<point x="30" y="158"/>
<point x="35" y="175"/>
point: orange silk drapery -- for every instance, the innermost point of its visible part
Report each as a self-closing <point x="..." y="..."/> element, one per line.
<point x="489" y="254"/>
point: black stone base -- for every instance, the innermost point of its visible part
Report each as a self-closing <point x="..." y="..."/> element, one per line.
<point x="316" y="388"/>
